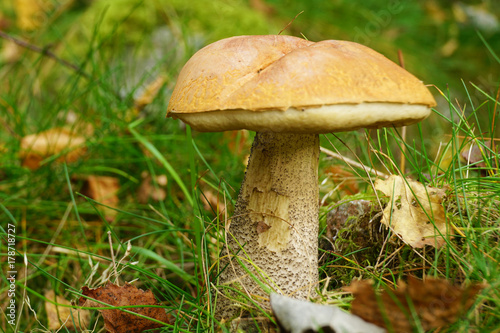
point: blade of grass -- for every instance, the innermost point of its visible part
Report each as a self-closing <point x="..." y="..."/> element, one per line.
<point x="149" y="146"/>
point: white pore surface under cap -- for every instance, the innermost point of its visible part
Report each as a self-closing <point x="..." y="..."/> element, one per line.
<point x="323" y="119"/>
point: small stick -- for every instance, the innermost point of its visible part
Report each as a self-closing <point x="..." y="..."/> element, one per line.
<point x="353" y="163"/>
<point x="289" y="23"/>
<point x="401" y="58"/>
<point x="45" y="51"/>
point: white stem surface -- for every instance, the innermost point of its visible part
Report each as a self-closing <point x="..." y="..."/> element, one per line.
<point x="276" y="219"/>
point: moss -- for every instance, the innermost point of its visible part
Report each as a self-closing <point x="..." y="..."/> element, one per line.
<point x="128" y="22"/>
<point x="221" y="18"/>
<point x="360" y="247"/>
<point x="128" y="19"/>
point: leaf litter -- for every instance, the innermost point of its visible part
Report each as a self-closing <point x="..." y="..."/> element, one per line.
<point x="118" y="320"/>
<point x="61" y="315"/>
<point x="152" y="188"/>
<point x="298" y="316"/>
<point x="103" y="189"/>
<point x="432" y="303"/>
<point x="414" y="211"/>
<point x="55" y="141"/>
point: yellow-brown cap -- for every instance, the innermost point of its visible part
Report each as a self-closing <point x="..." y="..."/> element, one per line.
<point x="288" y="84"/>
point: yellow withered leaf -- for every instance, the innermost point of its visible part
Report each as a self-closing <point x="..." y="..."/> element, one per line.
<point x="149" y="93"/>
<point x="61" y="315"/>
<point x="414" y="211"/>
<point x="104" y="190"/>
<point x="37" y="147"/>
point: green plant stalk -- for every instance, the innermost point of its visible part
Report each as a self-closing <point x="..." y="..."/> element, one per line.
<point x="149" y="146"/>
<point x="75" y="206"/>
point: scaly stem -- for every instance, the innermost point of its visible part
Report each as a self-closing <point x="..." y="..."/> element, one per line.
<point x="275" y="220"/>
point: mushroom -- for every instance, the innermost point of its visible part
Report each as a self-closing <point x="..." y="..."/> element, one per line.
<point x="288" y="90"/>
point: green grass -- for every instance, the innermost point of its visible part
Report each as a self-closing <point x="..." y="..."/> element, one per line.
<point x="176" y="241"/>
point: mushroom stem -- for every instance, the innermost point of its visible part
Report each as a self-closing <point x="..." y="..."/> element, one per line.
<point x="275" y="223"/>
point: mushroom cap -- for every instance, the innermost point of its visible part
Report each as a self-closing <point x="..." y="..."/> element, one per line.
<point x="288" y="84"/>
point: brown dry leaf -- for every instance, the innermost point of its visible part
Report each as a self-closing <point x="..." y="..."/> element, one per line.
<point x="237" y="141"/>
<point x="147" y="190"/>
<point x="406" y="214"/>
<point x="59" y="316"/>
<point x="435" y="301"/>
<point x="103" y="189"/>
<point x="346" y="180"/>
<point x="116" y="320"/>
<point x="476" y="154"/>
<point x="149" y="93"/>
<point x="37" y="147"/>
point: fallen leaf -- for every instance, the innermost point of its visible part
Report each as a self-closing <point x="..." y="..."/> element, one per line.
<point x="63" y="316"/>
<point x="410" y="208"/>
<point x="435" y="302"/>
<point x="476" y="154"/>
<point x="448" y="48"/>
<point x="148" y="190"/>
<point x="37" y="147"/>
<point x="237" y="141"/>
<point x="117" y="320"/>
<point x="346" y="181"/>
<point x="103" y="189"/>
<point x="298" y="316"/>
<point x="149" y="93"/>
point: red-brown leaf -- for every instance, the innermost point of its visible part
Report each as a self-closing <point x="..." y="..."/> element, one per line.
<point x="435" y="301"/>
<point x="117" y="320"/>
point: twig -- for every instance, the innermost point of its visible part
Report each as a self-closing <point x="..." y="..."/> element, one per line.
<point x="353" y="163"/>
<point x="289" y="23"/>
<point x="44" y="51"/>
<point x="401" y="58"/>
